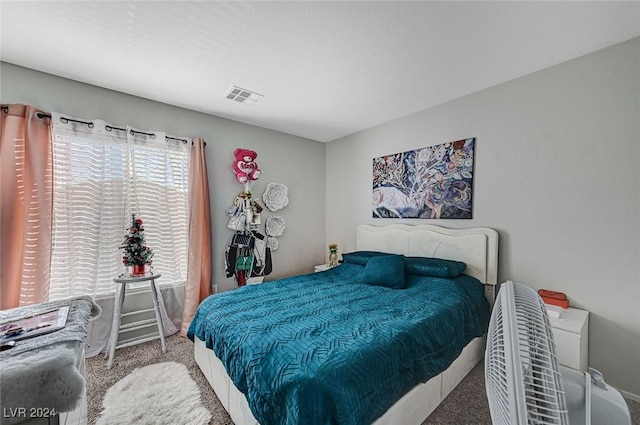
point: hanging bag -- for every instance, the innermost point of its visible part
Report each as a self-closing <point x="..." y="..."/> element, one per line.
<point x="242" y="240"/>
<point x="259" y="256"/>
<point x="244" y="263"/>
<point x="268" y="265"/>
<point x="237" y="222"/>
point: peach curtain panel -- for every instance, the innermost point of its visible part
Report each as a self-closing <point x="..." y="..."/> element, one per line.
<point x="26" y="185"/>
<point x="198" y="285"/>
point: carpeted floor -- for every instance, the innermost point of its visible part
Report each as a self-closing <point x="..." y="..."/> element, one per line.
<point x="100" y="379"/>
<point x="467" y="404"/>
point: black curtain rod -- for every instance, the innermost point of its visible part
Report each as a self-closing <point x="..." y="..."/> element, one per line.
<point x="133" y="132"/>
<point x="43" y="115"/>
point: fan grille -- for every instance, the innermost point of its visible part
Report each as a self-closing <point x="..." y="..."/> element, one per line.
<point x="523" y="382"/>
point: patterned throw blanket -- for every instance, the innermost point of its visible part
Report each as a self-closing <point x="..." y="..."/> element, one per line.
<point x="39" y="377"/>
<point x="327" y="348"/>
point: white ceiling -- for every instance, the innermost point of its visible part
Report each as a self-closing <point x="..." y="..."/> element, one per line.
<point x="326" y="69"/>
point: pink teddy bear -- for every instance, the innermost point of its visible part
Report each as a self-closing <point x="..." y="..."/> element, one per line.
<point x="245" y="165"/>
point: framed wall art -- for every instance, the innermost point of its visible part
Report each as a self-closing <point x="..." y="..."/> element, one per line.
<point x="434" y="182"/>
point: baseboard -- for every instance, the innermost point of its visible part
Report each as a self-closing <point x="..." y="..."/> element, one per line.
<point x="630" y="396"/>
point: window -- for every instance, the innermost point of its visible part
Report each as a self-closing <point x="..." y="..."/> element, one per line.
<point x="101" y="176"/>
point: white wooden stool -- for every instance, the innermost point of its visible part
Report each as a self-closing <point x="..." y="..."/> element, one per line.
<point x="117" y="316"/>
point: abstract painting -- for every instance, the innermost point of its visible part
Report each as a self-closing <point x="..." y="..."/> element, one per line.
<point x="433" y="182"/>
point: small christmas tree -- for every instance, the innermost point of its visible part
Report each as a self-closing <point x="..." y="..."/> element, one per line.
<point x="134" y="250"/>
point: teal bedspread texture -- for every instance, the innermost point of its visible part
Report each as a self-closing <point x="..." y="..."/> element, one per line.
<point x="327" y="348"/>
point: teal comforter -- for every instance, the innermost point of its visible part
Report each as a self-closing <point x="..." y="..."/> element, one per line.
<point x="327" y="348"/>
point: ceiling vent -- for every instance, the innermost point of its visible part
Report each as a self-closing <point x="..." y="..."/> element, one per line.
<point x="242" y="95"/>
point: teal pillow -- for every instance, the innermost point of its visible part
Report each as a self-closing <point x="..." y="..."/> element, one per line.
<point x="385" y="270"/>
<point x="361" y="257"/>
<point x="435" y="267"/>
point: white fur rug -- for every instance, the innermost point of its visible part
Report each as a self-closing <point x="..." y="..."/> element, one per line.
<point x="159" y="394"/>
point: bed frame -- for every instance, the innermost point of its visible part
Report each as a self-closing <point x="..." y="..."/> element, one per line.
<point x="477" y="247"/>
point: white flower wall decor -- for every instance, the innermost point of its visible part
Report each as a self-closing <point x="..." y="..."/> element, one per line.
<point x="276" y="196"/>
<point x="272" y="243"/>
<point x="275" y="226"/>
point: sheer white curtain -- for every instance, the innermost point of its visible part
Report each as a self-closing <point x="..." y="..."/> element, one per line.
<point x="90" y="168"/>
<point x="159" y="192"/>
<point x="103" y="174"/>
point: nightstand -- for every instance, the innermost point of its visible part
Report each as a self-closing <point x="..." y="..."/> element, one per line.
<point x="321" y="268"/>
<point x="571" y="335"/>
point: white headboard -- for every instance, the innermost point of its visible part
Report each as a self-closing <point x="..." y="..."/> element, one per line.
<point x="477" y="247"/>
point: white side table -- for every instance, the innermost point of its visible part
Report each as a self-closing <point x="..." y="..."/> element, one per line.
<point x="571" y="335"/>
<point x="323" y="267"/>
<point x="116" y="329"/>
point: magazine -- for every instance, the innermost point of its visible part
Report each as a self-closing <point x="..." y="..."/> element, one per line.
<point x="33" y="325"/>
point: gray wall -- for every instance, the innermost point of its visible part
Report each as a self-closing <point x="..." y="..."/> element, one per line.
<point x="557" y="173"/>
<point x="293" y="161"/>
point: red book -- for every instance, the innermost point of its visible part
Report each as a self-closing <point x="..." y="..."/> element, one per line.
<point x="554" y="301"/>
<point x="546" y="293"/>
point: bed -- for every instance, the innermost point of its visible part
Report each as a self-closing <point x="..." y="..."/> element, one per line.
<point x="388" y="379"/>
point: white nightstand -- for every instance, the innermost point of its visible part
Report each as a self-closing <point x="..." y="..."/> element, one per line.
<point x="321" y="268"/>
<point x="571" y="335"/>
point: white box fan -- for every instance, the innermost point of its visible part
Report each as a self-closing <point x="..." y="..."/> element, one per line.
<point x="524" y="381"/>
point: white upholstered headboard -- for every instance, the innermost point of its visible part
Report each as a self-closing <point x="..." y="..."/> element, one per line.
<point x="477" y="247"/>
